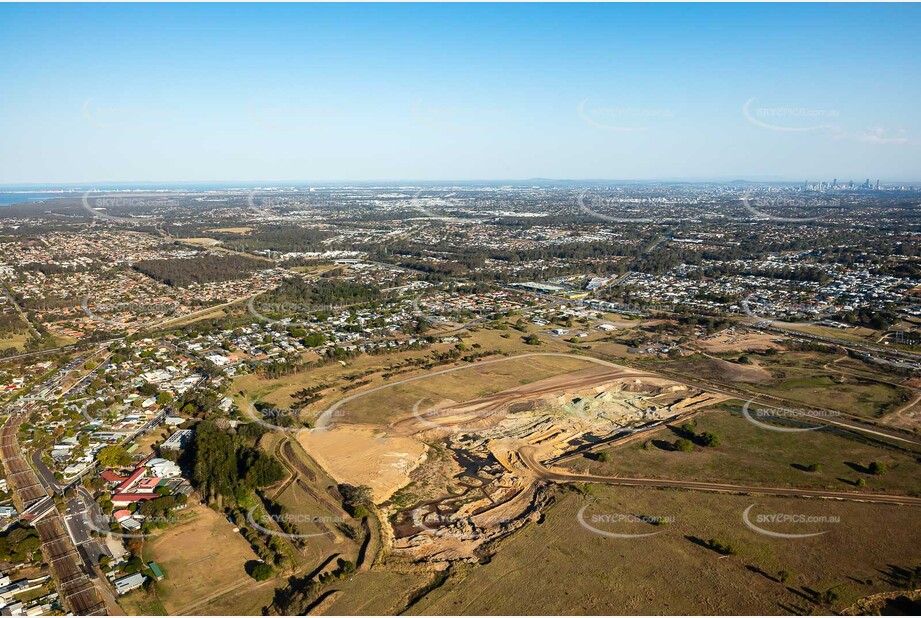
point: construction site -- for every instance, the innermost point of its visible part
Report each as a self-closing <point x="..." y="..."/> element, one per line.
<point x="449" y="474"/>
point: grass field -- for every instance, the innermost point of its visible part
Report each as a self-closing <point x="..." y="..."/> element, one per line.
<point x="15" y="341"/>
<point x="306" y="498"/>
<point x="142" y="603"/>
<point x="809" y="378"/>
<point x="375" y="593"/>
<point x="858" y="334"/>
<point x="204" y="559"/>
<point x="751" y="454"/>
<point x="279" y="392"/>
<point x="855" y="396"/>
<point x="469" y="383"/>
<point x="559" y="567"/>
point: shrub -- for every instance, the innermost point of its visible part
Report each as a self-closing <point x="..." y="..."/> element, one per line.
<point x="261" y="572"/>
<point x="709" y="439"/>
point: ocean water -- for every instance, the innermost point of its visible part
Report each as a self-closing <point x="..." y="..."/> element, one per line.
<point x="15" y="194"/>
<point x="27" y="196"/>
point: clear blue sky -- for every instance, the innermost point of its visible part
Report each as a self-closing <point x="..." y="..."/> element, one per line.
<point x="383" y="92"/>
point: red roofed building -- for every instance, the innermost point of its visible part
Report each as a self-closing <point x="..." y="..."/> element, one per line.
<point x="126" y="499"/>
<point x="131" y="480"/>
<point x="147" y="486"/>
<point x="111" y="477"/>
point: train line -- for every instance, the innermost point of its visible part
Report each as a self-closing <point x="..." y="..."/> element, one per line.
<point x="77" y="591"/>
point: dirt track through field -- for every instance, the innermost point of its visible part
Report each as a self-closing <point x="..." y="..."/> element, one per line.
<point x="499" y="403"/>
<point x="323" y="420"/>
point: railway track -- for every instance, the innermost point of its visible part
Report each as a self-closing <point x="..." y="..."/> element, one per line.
<point x="75" y="587"/>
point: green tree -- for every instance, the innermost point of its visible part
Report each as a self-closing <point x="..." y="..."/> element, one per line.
<point x="709" y="439"/>
<point x="113" y="456"/>
<point x="261" y="572"/>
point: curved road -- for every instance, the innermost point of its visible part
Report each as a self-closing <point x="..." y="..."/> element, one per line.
<point x="323" y="419"/>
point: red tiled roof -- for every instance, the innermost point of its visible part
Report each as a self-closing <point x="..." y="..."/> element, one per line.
<point x="132" y="497"/>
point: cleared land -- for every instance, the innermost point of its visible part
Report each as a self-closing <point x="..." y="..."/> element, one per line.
<point x="365" y="456"/>
<point x="732" y="341"/>
<point x="751" y="454"/>
<point x="471" y="382"/>
<point x="204" y="560"/>
<point x="810" y="378"/>
<point x="560" y="567"/>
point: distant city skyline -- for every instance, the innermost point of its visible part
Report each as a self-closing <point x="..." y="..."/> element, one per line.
<point x="172" y="184"/>
<point x="97" y="94"/>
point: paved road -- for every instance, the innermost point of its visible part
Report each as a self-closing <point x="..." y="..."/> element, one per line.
<point x="73" y="583"/>
<point x="527" y="457"/>
<point x="44" y="472"/>
<point x="77" y="517"/>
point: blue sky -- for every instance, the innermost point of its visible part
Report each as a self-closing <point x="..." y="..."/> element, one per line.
<point x="433" y="92"/>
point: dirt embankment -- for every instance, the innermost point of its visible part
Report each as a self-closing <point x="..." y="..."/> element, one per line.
<point x="362" y="455"/>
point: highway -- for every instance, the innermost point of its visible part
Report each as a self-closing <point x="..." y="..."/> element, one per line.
<point x="527" y="457"/>
<point x="768" y="325"/>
